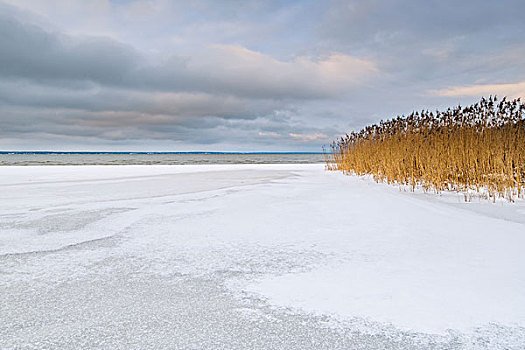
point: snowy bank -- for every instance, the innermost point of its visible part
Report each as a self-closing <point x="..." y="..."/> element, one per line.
<point x="258" y="239"/>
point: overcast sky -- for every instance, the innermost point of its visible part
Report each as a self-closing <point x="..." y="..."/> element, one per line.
<point x="232" y="75"/>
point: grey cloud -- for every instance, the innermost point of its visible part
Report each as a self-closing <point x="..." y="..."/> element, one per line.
<point x="396" y="22"/>
<point x="280" y="69"/>
<point x="33" y="53"/>
<point x="30" y="52"/>
<point x="99" y="99"/>
<point x="59" y="87"/>
<point x="57" y="126"/>
<point x="437" y="42"/>
<point x="421" y="46"/>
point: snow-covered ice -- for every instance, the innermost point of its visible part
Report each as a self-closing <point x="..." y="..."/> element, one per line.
<point x="252" y="257"/>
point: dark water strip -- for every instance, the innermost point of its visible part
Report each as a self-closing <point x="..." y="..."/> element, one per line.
<point x="154" y="158"/>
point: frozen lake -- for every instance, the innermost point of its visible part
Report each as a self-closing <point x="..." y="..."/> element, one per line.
<point x="252" y="257"/>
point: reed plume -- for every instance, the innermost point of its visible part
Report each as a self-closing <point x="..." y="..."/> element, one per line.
<point x="479" y="148"/>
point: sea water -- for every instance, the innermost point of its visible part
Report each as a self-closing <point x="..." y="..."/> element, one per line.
<point x="153" y="158"/>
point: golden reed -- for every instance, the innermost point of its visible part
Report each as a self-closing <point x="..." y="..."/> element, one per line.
<point x="480" y="149"/>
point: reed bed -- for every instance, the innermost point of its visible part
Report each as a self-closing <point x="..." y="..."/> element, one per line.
<point x="479" y="149"/>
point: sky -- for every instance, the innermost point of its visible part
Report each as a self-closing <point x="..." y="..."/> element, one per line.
<point x="232" y="75"/>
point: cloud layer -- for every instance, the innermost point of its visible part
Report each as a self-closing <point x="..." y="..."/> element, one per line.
<point x="515" y="90"/>
<point x="168" y="75"/>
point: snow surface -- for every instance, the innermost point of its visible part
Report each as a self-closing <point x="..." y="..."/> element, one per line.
<point x="252" y="256"/>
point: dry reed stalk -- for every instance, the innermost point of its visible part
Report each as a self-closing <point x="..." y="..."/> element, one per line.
<point x="479" y="148"/>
